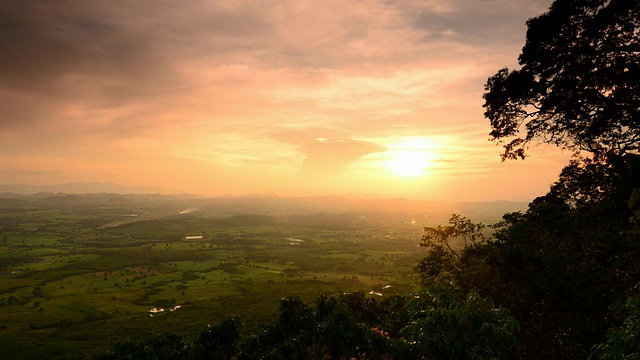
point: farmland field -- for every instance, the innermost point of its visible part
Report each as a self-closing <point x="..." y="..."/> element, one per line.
<point x="78" y="272"/>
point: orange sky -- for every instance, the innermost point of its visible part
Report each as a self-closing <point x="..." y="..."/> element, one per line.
<point x="357" y="98"/>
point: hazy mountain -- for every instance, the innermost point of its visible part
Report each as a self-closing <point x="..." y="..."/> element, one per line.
<point x="106" y="194"/>
<point x="83" y="188"/>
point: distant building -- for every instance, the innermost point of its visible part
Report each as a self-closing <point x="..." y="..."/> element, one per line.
<point x="193" y="237"/>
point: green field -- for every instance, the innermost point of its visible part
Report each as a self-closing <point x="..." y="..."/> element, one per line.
<point x="78" y="273"/>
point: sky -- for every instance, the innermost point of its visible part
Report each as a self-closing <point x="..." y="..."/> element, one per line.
<point x="363" y="98"/>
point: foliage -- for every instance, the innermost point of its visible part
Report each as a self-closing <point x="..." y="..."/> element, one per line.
<point x="446" y="324"/>
<point x="338" y="327"/>
<point x="218" y="342"/>
<point x="623" y="341"/>
<point x="579" y="82"/>
<point x="560" y="265"/>
<point x="441" y="242"/>
<point x="459" y="228"/>
<point x="154" y="347"/>
<point x="441" y="322"/>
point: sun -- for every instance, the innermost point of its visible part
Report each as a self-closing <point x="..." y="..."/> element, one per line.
<point x="408" y="163"/>
<point x="410" y="158"/>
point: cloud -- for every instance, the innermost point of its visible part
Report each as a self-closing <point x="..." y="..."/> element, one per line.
<point x="248" y="87"/>
<point x="325" y="157"/>
<point x="88" y="56"/>
<point x="486" y="23"/>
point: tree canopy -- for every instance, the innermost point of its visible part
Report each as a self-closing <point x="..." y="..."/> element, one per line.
<point x="579" y="82"/>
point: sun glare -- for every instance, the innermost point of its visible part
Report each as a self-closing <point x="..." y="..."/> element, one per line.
<point x="409" y="158"/>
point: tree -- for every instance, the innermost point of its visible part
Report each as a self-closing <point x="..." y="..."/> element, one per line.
<point x="442" y="241"/>
<point x="574" y="252"/>
<point x="217" y="342"/>
<point x="579" y="82"/>
<point x="459" y="228"/>
<point x="448" y="323"/>
<point x="153" y="347"/>
<point x="559" y="266"/>
<point x="622" y="341"/>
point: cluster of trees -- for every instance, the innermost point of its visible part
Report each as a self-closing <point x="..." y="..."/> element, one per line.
<point x="560" y="266"/>
<point x="557" y="281"/>
<point x="566" y="266"/>
<point x="441" y="321"/>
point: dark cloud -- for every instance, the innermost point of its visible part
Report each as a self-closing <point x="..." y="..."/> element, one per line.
<point x="484" y="23"/>
<point x="109" y="54"/>
<point x="49" y="40"/>
<point x="46" y="39"/>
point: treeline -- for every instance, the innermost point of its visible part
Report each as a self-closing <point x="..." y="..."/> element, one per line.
<point x="351" y="325"/>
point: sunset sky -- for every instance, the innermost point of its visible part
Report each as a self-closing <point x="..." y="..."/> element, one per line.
<point x="290" y="97"/>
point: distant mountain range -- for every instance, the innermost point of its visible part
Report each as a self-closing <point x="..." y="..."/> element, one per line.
<point x="84" y="188"/>
<point x="94" y="194"/>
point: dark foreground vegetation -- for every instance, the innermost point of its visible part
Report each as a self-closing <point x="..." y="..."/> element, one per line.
<point x="439" y="321"/>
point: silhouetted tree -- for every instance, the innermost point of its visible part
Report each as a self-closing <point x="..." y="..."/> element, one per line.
<point x="579" y="82"/>
<point x="560" y="265"/>
<point x="154" y="347"/>
<point x="622" y="341"/>
<point x="219" y="342"/>
<point x="445" y="244"/>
